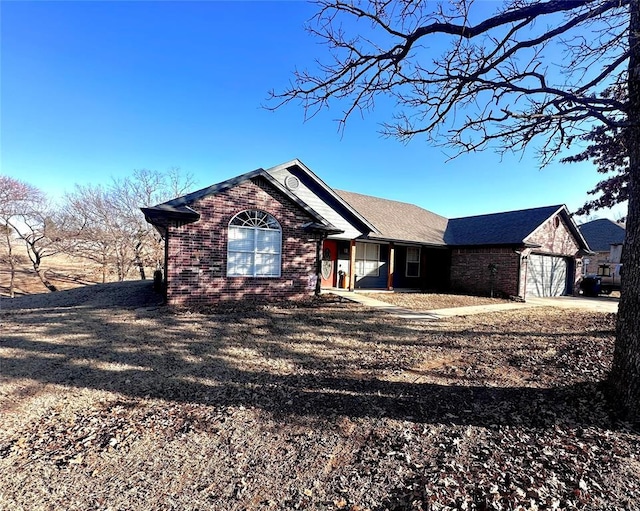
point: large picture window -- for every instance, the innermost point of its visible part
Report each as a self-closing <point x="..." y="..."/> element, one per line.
<point x="413" y="262"/>
<point x="367" y="260"/>
<point x="255" y="245"/>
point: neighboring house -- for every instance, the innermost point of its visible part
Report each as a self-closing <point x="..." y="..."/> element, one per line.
<point x="605" y="237"/>
<point x="270" y="233"/>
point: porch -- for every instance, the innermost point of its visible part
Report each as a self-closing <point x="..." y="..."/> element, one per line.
<point x="386" y="266"/>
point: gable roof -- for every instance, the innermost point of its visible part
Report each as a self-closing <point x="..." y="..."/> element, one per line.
<point x="315" y="192"/>
<point x="179" y="208"/>
<point x="602" y="233"/>
<point x="380" y="219"/>
<point x="507" y="228"/>
<point x="398" y="221"/>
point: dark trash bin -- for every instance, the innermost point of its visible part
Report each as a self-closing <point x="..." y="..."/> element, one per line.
<point x="591" y="285"/>
<point x="157" y="281"/>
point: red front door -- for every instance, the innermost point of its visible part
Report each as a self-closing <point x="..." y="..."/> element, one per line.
<point x="329" y="263"/>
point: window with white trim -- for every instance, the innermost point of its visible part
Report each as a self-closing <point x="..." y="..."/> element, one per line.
<point x="367" y="260"/>
<point x="413" y="262"/>
<point x="255" y="245"/>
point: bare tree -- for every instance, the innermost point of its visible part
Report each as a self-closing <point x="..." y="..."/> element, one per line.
<point x="146" y="188"/>
<point x="24" y="210"/>
<point x="94" y="230"/>
<point x="108" y="226"/>
<point x="532" y="70"/>
<point x="15" y="199"/>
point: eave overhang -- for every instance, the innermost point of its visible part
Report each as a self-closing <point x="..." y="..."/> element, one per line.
<point x="164" y="215"/>
<point x="318" y="228"/>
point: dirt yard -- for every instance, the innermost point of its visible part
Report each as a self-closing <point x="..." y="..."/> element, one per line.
<point x="62" y="271"/>
<point x="110" y="401"/>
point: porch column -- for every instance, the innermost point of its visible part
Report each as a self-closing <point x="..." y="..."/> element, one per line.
<point x="352" y="265"/>
<point x="392" y="265"/>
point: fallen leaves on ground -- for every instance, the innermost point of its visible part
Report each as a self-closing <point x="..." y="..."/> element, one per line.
<point x="432" y="301"/>
<point x="330" y="407"/>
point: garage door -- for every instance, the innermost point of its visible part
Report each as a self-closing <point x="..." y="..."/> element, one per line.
<point x="546" y="275"/>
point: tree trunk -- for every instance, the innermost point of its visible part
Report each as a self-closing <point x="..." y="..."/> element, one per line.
<point x="43" y="279"/>
<point x="624" y="378"/>
<point x="139" y="262"/>
<point x="12" y="274"/>
<point x="35" y="261"/>
<point x="12" y="264"/>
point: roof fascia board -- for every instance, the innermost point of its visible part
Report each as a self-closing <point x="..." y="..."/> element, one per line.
<point x="214" y="189"/>
<point x="575" y="230"/>
<point x="399" y="241"/>
<point x="297" y="163"/>
<point x="265" y="174"/>
<point x="235" y="181"/>
<point x="187" y="215"/>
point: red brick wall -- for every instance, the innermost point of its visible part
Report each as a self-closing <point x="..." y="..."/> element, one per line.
<point x="470" y="266"/>
<point x="197" y="268"/>
<point x="555" y="238"/>
<point x="470" y="270"/>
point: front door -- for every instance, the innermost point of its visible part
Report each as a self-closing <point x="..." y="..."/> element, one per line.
<point x="329" y="263"/>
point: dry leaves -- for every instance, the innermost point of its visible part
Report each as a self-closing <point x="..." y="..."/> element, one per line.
<point x="330" y="407"/>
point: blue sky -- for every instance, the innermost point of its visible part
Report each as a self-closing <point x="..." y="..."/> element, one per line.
<point x="93" y="90"/>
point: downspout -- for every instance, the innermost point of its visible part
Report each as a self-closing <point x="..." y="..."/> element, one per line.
<point x="166" y="265"/>
<point x="519" y="280"/>
<point x="319" y="264"/>
<point x="526" y="269"/>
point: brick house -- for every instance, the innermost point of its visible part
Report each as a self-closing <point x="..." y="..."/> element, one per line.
<point x="538" y="252"/>
<point x="284" y="233"/>
<point x="605" y="238"/>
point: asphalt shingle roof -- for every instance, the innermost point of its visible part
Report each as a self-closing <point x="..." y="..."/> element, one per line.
<point x="398" y="220"/>
<point x="602" y="233"/>
<point x="508" y="228"/>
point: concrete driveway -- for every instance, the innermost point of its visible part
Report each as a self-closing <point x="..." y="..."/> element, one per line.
<point x="598" y="304"/>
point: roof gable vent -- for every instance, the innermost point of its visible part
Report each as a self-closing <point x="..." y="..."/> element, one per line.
<point x="291" y="182"/>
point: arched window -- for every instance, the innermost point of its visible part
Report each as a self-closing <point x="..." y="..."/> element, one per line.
<point x="255" y="245"/>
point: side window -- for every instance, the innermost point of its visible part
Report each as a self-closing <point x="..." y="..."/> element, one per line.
<point x="367" y="260"/>
<point x="413" y="262"/>
<point x="255" y="245"/>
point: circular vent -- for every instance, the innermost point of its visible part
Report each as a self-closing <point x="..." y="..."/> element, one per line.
<point x="291" y="182"/>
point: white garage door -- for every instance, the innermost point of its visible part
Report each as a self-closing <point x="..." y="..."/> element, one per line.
<point x="546" y="275"/>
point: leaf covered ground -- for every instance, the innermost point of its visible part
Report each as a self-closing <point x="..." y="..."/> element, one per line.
<point x="114" y="402"/>
<point x="431" y="301"/>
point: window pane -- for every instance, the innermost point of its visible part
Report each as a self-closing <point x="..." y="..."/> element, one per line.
<point x="372" y="252"/>
<point x="240" y="263"/>
<point x="413" y="269"/>
<point x="240" y="239"/>
<point x="371" y="268"/>
<point x="413" y="254"/>
<point x="413" y="262"/>
<point x="268" y="241"/>
<point x="267" y="264"/>
<point x="367" y="256"/>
